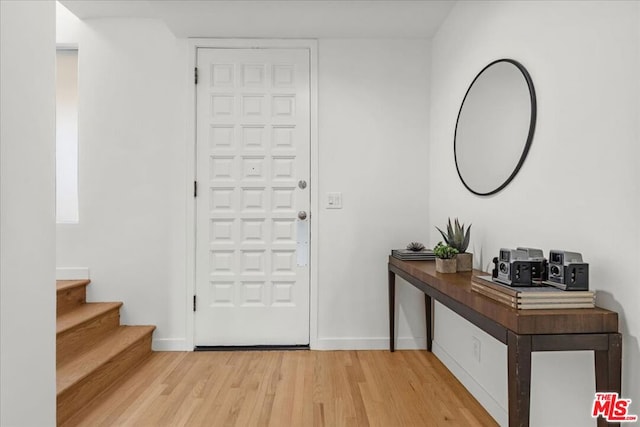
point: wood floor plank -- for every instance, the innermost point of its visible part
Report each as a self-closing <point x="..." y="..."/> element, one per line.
<point x="288" y="388"/>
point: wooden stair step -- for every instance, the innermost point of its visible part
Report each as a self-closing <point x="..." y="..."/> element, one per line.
<point x="83" y="377"/>
<point x="70" y="294"/>
<point x="83" y="327"/>
<point x="64" y="285"/>
<point x="83" y="314"/>
<point x="87" y="362"/>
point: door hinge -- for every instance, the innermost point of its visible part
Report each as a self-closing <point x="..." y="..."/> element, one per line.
<point x="195" y="188"/>
<point x="194" y="303"/>
<point x="195" y="75"/>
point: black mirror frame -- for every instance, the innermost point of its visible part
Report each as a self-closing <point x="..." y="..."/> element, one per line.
<point x="532" y="125"/>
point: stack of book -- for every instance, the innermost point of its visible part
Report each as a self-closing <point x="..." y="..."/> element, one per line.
<point x="408" y="255"/>
<point x="533" y="297"/>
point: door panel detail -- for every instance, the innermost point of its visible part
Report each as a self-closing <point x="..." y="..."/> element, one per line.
<point x="252" y="149"/>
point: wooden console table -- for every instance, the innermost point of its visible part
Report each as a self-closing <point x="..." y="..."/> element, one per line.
<point x="523" y="331"/>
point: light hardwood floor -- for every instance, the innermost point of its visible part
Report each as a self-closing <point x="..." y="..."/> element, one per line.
<point x="287" y="388"/>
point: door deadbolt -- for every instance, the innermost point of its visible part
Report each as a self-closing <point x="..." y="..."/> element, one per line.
<point x="302" y="215"/>
<point x="302" y="184"/>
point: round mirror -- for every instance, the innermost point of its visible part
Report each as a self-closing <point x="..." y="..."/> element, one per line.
<point x="495" y="127"/>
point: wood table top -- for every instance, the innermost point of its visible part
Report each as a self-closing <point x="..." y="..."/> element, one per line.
<point x="457" y="286"/>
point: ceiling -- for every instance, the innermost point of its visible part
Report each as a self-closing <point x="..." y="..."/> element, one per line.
<point x="279" y="18"/>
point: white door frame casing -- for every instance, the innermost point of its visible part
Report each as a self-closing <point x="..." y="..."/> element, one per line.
<point x="194" y="44"/>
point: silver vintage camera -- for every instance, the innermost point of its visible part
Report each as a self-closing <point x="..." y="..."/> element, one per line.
<point x="514" y="268"/>
<point x="567" y="271"/>
<point x="538" y="264"/>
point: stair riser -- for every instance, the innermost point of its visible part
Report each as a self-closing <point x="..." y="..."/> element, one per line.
<point x="75" y="398"/>
<point x="70" y="299"/>
<point x="85" y="335"/>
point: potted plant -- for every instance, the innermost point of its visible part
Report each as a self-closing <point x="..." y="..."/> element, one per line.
<point x="445" y="258"/>
<point x="458" y="238"/>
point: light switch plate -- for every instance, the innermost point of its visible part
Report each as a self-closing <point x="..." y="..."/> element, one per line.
<point x="334" y="200"/>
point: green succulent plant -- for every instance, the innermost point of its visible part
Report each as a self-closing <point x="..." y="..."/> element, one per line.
<point x="456" y="236"/>
<point x="444" y="251"/>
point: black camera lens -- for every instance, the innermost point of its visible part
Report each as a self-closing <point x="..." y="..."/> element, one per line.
<point x="555" y="270"/>
<point x="503" y="267"/>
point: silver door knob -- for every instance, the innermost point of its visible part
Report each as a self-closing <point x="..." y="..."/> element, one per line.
<point x="302" y="215"/>
<point x="302" y="184"/>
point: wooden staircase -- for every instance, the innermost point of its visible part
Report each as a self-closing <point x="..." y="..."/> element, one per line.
<point x="93" y="351"/>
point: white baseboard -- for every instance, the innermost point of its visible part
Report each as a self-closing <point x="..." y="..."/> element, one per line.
<point x="170" y="344"/>
<point x="492" y="406"/>
<point x="407" y="343"/>
<point x="180" y="344"/>
<point x="72" y="273"/>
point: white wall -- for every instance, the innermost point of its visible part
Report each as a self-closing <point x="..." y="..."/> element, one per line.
<point x="27" y="214"/>
<point x="373" y="115"/>
<point x="132" y="180"/>
<point x="373" y="148"/>
<point x="584" y="60"/>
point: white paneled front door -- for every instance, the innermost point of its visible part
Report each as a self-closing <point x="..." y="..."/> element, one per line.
<point x="253" y="157"/>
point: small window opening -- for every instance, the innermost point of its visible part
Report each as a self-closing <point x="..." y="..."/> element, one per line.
<point x="67" y="136"/>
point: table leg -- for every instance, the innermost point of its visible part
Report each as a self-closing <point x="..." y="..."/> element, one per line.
<point x="392" y="310"/>
<point x="519" y="378"/>
<point x="608" y="365"/>
<point x="429" y="318"/>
